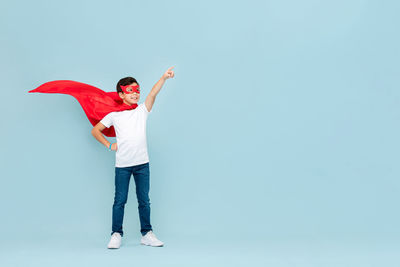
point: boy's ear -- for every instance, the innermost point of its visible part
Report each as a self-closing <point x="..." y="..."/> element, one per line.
<point x="121" y="95"/>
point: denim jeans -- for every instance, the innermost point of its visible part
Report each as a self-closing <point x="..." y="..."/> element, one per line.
<point x="141" y="174"/>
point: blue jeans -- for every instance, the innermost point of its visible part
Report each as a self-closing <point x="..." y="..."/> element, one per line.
<point x="141" y="174"/>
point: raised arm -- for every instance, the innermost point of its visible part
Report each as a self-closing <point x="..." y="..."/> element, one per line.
<point x="157" y="87"/>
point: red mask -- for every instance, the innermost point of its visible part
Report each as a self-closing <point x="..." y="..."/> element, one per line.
<point x="135" y="89"/>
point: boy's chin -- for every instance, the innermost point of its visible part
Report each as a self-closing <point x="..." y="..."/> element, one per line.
<point x="131" y="103"/>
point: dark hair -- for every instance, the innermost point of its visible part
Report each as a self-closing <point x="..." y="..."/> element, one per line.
<point x="125" y="81"/>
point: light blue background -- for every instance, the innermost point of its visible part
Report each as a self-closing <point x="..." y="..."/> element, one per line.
<point x="276" y="144"/>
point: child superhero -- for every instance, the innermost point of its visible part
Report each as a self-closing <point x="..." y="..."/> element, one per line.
<point x="103" y="110"/>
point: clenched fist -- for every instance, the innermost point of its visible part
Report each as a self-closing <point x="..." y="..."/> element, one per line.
<point x="114" y="147"/>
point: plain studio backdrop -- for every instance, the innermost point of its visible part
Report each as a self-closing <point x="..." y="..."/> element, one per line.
<point x="276" y="143"/>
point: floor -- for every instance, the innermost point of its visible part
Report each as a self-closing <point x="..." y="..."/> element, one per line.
<point x="196" y="251"/>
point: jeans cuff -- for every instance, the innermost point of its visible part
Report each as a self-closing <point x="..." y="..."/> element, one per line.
<point x="121" y="233"/>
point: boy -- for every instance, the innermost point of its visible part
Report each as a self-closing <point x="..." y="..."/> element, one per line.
<point x="131" y="156"/>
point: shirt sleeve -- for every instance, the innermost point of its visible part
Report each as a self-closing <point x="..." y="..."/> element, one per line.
<point x="144" y="108"/>
<point x="107" y="120"/>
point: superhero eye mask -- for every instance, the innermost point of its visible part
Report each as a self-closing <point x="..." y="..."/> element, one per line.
<point x="133" y="89"/>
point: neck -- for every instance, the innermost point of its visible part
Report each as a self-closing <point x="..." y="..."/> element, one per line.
<point x="127" y="103"/>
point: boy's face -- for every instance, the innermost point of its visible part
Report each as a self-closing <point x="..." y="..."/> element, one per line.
<point x="131" y="94"/>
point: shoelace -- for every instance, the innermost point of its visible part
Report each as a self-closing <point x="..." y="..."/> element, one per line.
<point x="152" y="236"/>
<point x="115" y="236"/>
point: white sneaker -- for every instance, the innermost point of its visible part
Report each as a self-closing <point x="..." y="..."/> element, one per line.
<point x="149" y="239"/>
<point x="115" y="241"/>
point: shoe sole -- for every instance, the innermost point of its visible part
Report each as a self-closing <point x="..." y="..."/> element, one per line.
<point x="112" y="247"/>
<point x="151" y="245"/>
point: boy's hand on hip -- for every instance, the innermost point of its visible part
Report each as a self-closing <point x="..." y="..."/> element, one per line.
<point x="114" y="147"/>
<point x="169" y="74"/>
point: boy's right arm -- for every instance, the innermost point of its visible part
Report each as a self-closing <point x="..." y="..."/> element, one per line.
<point x="96" y="132"/>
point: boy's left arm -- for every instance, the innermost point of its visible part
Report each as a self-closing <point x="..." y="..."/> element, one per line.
<point x="157" y="87"/>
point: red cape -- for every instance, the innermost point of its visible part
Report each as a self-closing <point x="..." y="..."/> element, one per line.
<point x="95" y="102"/>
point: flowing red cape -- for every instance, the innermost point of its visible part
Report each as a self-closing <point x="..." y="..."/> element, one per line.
<point x="95" y="102"/>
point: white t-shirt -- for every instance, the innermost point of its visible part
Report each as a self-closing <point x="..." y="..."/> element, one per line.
<point x="130" y="130"/>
